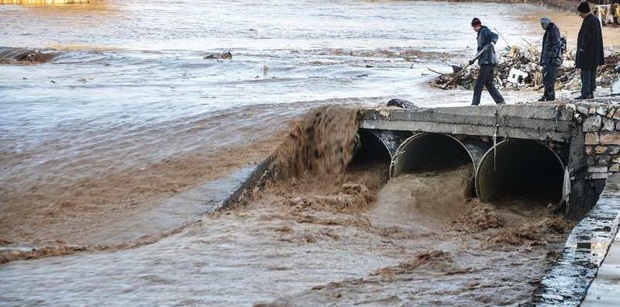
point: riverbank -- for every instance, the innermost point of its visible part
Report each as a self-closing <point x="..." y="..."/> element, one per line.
<point x="44" y="2"/>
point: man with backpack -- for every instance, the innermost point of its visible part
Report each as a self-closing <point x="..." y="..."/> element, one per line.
<point x="550" y="57"/>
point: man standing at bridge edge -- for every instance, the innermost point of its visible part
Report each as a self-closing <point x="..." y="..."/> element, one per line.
<point x="487" y="61"/>
<point x="589" y="50"/>
<point x="550" y="57"/>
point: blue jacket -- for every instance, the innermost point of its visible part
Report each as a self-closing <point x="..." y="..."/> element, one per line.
<point x="551" y="53"/>
<point x="485" y="37"/>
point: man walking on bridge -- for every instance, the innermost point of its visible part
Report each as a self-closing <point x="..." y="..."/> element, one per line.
<point x="487" y="61"/>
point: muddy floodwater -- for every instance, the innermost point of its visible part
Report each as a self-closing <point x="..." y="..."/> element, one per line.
<point x="112" y="107"/>
<point x="310" y="242"/>
<point x="320" y="234"/>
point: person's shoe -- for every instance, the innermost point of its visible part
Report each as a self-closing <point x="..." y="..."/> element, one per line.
<point x="587" y="96"/>
<point x="501" y="102"/>
<point x="543" y="98"/>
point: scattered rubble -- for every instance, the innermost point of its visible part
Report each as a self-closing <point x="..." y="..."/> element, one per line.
<point x="9" y="55"/>
<point x="518" y="69"/>
<point x="226" y="55"/>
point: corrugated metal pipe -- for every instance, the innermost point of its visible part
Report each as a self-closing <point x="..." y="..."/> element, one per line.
<point x="522" y="169"/>
<point x="370" y="150"/>
<point x="435" y="151"/>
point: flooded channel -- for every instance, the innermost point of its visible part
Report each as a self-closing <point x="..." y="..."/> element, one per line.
<point x="318" y="235"/>
<point x="111" y="108"/>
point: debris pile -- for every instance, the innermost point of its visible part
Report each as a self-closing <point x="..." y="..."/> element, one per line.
<point x="518" y="69"/>
<point x="226" y="55"/>
<point x="10" y="55"/>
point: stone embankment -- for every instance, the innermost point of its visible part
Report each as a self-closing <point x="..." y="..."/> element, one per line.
<point x="601" y="126"/>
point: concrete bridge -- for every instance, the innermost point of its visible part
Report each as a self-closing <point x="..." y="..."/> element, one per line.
<point x="559" y="154"/>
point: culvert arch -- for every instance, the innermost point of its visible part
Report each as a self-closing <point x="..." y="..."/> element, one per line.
<point x="371" y="150"/>
<point x="435" y="151"/>
<point x="520" y="169"/>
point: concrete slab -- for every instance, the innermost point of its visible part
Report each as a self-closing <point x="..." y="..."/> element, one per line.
<point x="537" y="122"/>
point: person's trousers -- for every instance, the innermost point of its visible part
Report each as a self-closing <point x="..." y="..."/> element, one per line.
<point x="485" y="79"/>
<point x="550" y="73"/>
<point x="588" y="81"/>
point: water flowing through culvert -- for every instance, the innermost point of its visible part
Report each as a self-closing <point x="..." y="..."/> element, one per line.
<point x="520" y="170"/>
<point x="430" y="151"/>
<point x="426" y="201"/>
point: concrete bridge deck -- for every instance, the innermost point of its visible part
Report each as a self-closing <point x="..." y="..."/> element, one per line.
<point x="538" y="122"/>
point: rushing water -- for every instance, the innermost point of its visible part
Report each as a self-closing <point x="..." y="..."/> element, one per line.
<point x="129" y="111"/>
<point x="129" y="87"/>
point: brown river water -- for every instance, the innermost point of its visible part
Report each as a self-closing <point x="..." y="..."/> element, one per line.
<point x="127" y="113"/>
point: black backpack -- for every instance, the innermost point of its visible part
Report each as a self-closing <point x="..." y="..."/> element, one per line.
<point x="562" y="45"/>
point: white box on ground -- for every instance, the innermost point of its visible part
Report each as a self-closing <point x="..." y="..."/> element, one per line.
<point x="516" y="76"/>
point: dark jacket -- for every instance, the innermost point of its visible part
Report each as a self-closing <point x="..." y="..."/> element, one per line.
<point x="485" y="37"/>
<point x="551" y="53"/>
<point x="589" y="44"/>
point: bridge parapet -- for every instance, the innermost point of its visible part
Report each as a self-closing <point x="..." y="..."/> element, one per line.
<point x="544" y="122"/>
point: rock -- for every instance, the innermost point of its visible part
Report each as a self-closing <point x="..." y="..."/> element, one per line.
<point x="597" y="169"/>
<point x="603" y="160"/>
<point x="610" y="138"/>
<point x="592" y="124"/>
<point x="608" y="124"/>
<point x="592" y="139"/>
<point x="611" y="112"/>
<point x="582" y="109"/>
<point x="600" y="149"/>
<point x="592" y="110"/>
